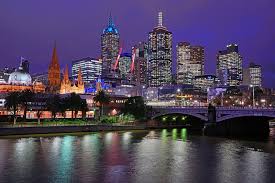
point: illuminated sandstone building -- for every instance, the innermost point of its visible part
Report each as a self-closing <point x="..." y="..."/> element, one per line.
<point x="54" y="73"/>
<point x="72" y="87"/>
<point x="20" y="80"/>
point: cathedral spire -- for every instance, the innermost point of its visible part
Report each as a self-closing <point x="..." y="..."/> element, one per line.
<point x="79" y="77"/>
<point x="54" y="71"/>
<point x="54" y="56"/>
<point x="66" y="74"/>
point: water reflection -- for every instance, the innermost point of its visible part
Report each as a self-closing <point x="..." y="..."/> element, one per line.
<point x="141" y="156"/>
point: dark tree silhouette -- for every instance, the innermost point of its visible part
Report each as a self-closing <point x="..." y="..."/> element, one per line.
<point x="12" y="103"/>
<point x="101" y="98"/>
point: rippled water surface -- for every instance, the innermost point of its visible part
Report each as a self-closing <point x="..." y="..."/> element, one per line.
<point x="136" y="156"/>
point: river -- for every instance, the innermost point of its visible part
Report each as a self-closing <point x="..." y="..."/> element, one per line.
<point x="137" y="156"/>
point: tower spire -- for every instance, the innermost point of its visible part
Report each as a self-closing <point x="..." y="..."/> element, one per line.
<point x="160" y="19"/>
<point x="79" y="77"/>
<point x="110" y="20"/>
<point x="66" y="74"/>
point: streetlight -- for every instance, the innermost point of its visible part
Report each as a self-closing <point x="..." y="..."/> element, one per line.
<point x="253" y="95"/>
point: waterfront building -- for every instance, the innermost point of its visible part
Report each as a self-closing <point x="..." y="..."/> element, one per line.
<point x="140" y="64"/>
<point x="205" y="81"/>
<point x="159" y="55"/>
<point x="109" y="51"/>
<point x="91" y="69"/>
<point x="72" y="87"/>
<point x="229" y="66"/>
<point x="54" y="78"/>
<point x="190" y="62"/>
<point x="252" y="76"/>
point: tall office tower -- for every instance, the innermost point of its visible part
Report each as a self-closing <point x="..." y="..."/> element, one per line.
<point x="25" y="65"/>
<point x="159" y="55"/>
<point x="253" y="75"/>
<point x="91" y="69"/>
<point x="54" y="78"/>
<point x="229" y="66"/>
<point x="190" y="62"/>
<point x="109" y="50"/>
<point x="124" y="67"/>
<point x="140" y="64"/>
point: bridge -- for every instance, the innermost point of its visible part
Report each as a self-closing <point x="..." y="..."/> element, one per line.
<point x="220" y="113"/>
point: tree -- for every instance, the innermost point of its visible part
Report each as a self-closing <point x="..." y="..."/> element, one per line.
<point x="83" y="108"/>
<point x="25" y="98"/>
<point x="101" y="98"/>
<point x="64" y="106"/>
<point x="53" y="105"/>
<point x="136" y="107"/>
<point x="12" y="102"/>
<point x="74" y="104"/>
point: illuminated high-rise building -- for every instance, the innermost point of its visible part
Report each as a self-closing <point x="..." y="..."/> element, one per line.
<point x="252" y="76"/>
<point x="229" y="66"/>
<point x="124" y="67"/>
<point x="91" y="69"/>
<point x="190" y="62"/>
<point x="109" y="50"/>
<point x="159" y="55"/>
<point x="140" y="64"/>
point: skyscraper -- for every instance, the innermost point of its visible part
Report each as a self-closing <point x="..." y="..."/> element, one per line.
<point x="109" y="50"/>
<point x="91" y="69"/>
<point x="54" y="72"/>
<point x="159" y="55"/>
<point x="252" y="75"/>
<point x="124" y="67"/>
<point x="140" y="63"/>
<point x="229" y="66"/>
<point x="190" y="62"/>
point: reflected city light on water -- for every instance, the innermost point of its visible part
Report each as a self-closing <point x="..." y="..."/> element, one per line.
<point x="164" y="134"/>
<point x="174" y="134"/>
<point x="183" y="134"/>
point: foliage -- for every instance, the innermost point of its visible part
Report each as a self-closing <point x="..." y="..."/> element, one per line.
<point x="135" y="106"/>
<point x="12" y="102"/>
<point x="109" y="119"/>
<point x="102" y="98"/>
<point x="53" y="104"/>
<point x="25" y="98"/>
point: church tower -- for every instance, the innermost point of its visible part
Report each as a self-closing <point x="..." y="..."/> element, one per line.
<point x="54" y="72"/>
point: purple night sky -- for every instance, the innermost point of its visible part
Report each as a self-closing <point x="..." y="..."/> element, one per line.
<point x="28" y="28"/>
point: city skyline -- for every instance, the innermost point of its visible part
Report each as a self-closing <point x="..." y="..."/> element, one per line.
<point x="74" y="43"/>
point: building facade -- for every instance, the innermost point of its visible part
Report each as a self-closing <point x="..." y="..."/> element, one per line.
<point x="229" y="66"/>
<point x="72" y="87"/>
<point x="91" y="69"/>
<point x="124" y="67"/>
<point x="205" y="82"/>
<point x="109" y="50"/>
<point x="140" y="64"/>
<point x="159" y="55"/>
<point x="252" y="76"/>
<point x="190" y="62"/>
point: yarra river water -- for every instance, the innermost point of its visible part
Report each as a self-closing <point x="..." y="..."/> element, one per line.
<point x="137" y="156"/>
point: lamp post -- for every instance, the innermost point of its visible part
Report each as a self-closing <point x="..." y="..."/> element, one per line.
<point x="253" y="95"/>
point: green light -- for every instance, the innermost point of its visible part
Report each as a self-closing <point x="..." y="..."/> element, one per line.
<point x="183" y="134"/>
<point x="174" y="134"/>
<point x="164" y="134"/>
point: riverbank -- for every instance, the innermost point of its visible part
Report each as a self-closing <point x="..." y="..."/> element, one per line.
<point x="65" y="129"/>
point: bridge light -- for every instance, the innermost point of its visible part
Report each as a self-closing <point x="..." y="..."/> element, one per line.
<point x="164" y="119"/>
<point x="183" y="118"/>
<point x="174" y="118"/>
